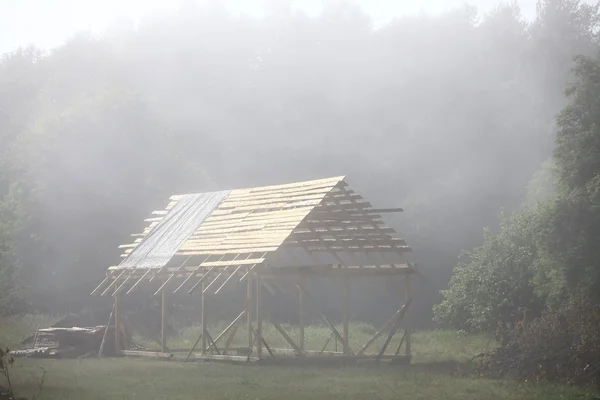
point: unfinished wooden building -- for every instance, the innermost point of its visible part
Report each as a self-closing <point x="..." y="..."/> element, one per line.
<point x="262" y="239"/>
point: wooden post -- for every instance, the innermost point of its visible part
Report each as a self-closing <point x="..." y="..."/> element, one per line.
<point x="163" y="322"/>
<point x="346" y="317"/>
<point x="117" y="319"/>
<point x="302" y="315"/>
<point x="203" y="319"/>
<point x="259" y="338"/>
<point x="249" y="314"/>
<point x="407" y="296"/>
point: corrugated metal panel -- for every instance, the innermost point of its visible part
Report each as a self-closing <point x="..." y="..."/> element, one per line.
<point x="162" y="242"/>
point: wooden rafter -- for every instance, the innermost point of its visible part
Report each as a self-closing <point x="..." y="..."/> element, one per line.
<point x="246" y="228"/>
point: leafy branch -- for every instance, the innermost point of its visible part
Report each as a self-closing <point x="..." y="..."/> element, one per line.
<point x="6" y="362"/>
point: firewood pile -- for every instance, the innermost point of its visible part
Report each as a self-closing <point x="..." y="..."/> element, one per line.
<point x="561" y="346"/>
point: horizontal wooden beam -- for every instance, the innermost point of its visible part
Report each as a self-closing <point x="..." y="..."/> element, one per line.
<point x="148" y="354"/>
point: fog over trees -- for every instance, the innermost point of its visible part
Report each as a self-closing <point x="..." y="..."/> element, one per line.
<point x="452" y="117"/>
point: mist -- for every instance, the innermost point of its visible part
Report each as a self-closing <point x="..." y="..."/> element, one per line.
<point x="449" y="116"/>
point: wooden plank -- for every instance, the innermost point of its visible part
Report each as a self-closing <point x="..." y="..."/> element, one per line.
<point x="302" y="312"/>
<point x="227" y="250"/>
<point x="343" y="225"/>
<point x="128" y="246"/>
<point x="194" y="346"/>
<point x="393" y="330"/>
<point x="346" y="329"/>
<point x="288" y="338"/>
<point x="228" y="279"/>
<point x="118" y="289"/>
<point x="216" y="278"/>
<point x="297" y="239"/>
<point x="163" y="322"/>
<point x="280" y="191"/>
<point x="241" y="230"/>
<point x="258" y="216"/>
<point x="408" y="297"/>
<point x="324" y="317"/>
<point x="233" y="242"/>
<point x="247" y="225"/>
<point x="333" y="217"/>
<point x="252" y="236"/>
<point x="203" y="316"/>
<point x="380" y="332"/>
<point x="259" y="317"/>
<point x="114" y="282"/>
<point x="231" y="325"/>
<point x="226" y="358"/>
<point x="117" y="307"/>
<point x="149" y="354"/>
<point x="385" y="210"/>
<point x="249" y="315"/>
<point x="278" y="205"/>
<point x="100" y="285"/>
<point x="355" y="241"/>
<point x="285" y="195"/>
<point x="269" y="233"/>
<point x="229" y="263"/>
<point x="338" y="207"/>
<point x="360" y="249"/>
<point x="286" y="198"/>
<point x="295" y="185"/>
<point x="139" y="280"/>
<point x="229" y="244"/>
<point x="200" y="282"/>
<point x="278" y="199"/>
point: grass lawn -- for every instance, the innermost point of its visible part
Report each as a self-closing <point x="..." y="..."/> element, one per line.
<point x="128" y="378"/>
<point x="155" y="379"/>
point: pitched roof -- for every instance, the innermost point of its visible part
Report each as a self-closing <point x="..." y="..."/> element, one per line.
<point x="244" y="227"/>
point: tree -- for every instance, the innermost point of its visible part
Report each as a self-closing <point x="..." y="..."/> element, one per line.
<point x="493" y="284"/>
<point x="572" y="232"/>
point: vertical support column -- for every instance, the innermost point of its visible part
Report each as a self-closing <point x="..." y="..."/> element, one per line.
<point x="203" y="319"/>
<point x="407" y="295"/>
<point x="117" y="320"/>
<point x="302" y="314"/>
<point x="259" y="343"/>
<point x="346" y="316"/>
<point x="249" y="315"/>
<point x="163" y="321"/>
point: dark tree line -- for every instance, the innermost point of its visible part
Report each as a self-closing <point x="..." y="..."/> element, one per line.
<point x="449" y="117"/>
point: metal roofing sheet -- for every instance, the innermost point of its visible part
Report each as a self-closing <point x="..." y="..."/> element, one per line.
<point x="162" y="242"/>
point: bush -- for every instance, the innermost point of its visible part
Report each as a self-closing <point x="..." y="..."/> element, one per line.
<point x="561" y="346"/>
<point x="492" y="285"/>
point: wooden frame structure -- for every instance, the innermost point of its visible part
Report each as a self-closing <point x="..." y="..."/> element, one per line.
<point x="266" y="236"/>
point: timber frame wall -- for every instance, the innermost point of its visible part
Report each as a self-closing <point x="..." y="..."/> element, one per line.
<point x="268" y="237"/>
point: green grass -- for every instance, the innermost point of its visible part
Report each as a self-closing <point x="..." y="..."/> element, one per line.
<point x="156" y="379"/>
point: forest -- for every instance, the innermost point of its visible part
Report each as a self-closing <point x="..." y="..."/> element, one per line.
<point x="484" y="128"/>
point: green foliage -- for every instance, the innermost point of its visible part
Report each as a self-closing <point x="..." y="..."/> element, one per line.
<point x="549" y="255"/>
<point x="572" y="231"/>
<point x="493" y="284"/>
<point x="98" y="132"/>
<point x="11" y="272"/>
<point x="6" y="362"/>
